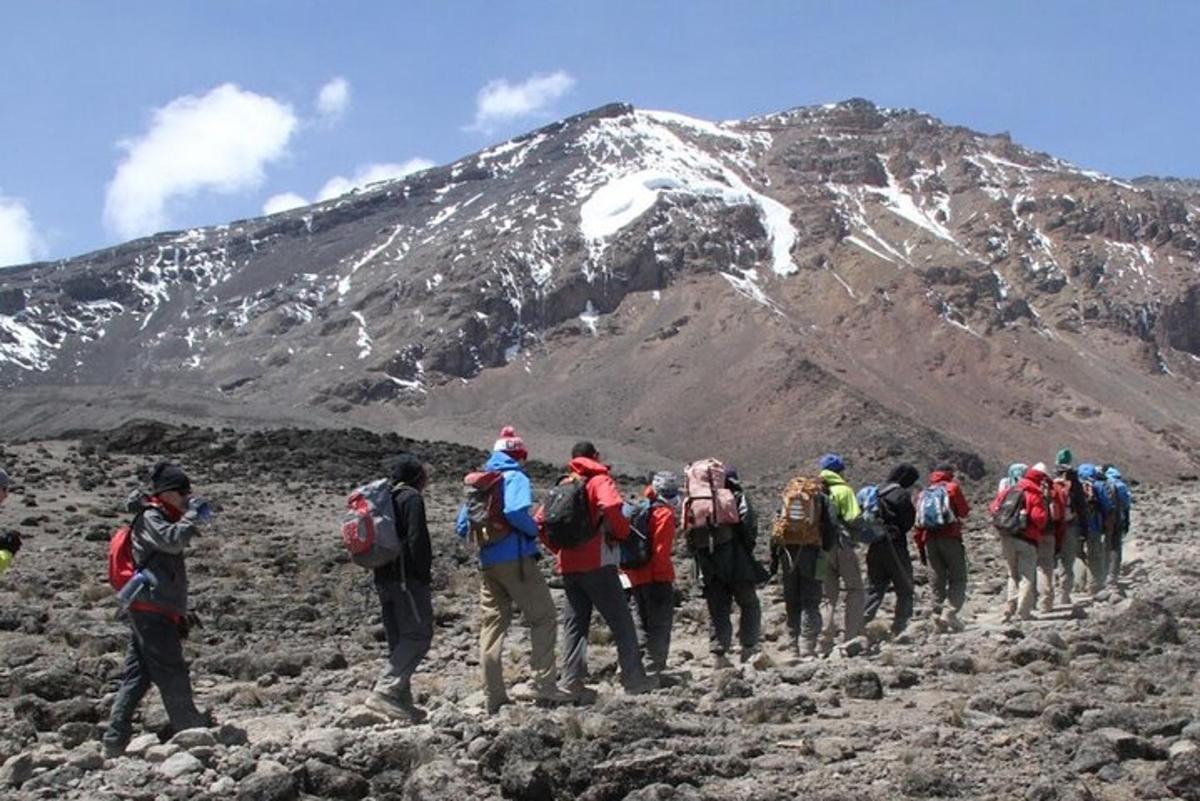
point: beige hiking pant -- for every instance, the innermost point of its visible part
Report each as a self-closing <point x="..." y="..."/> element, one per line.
<point x="1045" y="572"/>
<point x="1021" y="558"/>
<point x="500" y="588"/>
<point x="843" y="572"/>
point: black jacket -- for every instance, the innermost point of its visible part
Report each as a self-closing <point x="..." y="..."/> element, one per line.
<point x="897" y="510"/>
<point x="416" y="559"/>
<point x="1075" y="496"/>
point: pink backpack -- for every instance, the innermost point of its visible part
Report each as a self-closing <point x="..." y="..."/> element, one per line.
<point x="708" y="503"/>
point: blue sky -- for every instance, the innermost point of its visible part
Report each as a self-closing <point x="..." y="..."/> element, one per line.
<point x="121" y="118"/>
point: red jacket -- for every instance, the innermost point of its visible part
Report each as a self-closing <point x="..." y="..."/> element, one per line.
<point x="958" y="502"/>
<point x="604" y="507"/>
<point x="660" y="568"/>
<point x="1034" y="487"/>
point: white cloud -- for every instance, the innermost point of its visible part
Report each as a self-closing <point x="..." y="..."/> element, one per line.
<point x="285" y="201"/>
<point x="500" y="101"/>
<point x="369" y="174"/>
<point x="218" y="142"/>
<point x="333" y="99"/>
<point x="19" y="239"/>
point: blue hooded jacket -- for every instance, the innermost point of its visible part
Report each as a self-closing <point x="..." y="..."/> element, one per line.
<point x="518" y="501"/>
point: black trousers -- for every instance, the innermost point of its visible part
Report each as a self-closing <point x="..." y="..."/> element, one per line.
<point x="720" y="597"/>
<point x="801" y="590"/>
<point x="890" y="567"/>
<point x="655" y="604"/>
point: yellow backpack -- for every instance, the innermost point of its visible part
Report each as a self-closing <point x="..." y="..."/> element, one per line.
<point x="799" y="519"/>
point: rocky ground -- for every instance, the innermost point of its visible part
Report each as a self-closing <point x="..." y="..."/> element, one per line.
<point x="1097" y="702"/>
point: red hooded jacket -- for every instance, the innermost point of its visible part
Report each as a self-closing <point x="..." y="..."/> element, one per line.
<point x="958" y="502"/>
<point x="604" y="507"/>
<point x="660" y="568"/>
<point x="1034" y="487"/>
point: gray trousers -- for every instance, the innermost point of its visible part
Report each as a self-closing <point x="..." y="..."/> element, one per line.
<point x="1097" y="560"/>
<point x="155" y="657"/>
<point x="655" y="605"/>
<point x="948" y="561"/>
<point x="598" y="590"/>
<point x="408" y="625"/>
<point x="1113" y="542"/>
<point x="1066" y="560"/>
<point x="801" y="592"/>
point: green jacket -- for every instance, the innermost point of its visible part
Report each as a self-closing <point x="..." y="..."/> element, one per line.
<point x="842" y="496"/>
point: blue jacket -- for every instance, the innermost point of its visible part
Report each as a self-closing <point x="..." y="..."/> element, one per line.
<point x="518" y="500"/>
<point x="1124" y="500"/>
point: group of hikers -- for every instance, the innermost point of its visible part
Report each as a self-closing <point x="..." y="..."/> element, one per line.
<point x="617" y="558"/>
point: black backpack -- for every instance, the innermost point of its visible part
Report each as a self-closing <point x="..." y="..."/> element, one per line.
<point x="566" y="515"/>
<point x="1010" y="517"/>
<point x="638" y="548"/>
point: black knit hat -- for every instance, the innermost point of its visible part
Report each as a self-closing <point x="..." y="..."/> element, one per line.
<point x="904" y="474"/>
<point x="406" y="468"/>
<point x="167" y="476"/>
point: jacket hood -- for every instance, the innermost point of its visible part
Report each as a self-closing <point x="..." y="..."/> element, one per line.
<point x="499" y="460"/>
<point x="584" y="466"/>
<point x="903" y="474"/>
<point x="1113" y="472"/>
<point x="831" y="478"/>
<point x="1016" y="471"/>
<point x="1087" y="472"/>
<point x="1035" y="475"/>
<point x="938" y="476"/>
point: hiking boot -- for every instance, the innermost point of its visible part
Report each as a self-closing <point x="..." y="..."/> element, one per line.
<point x="114" y="750"/>
<point x="552" y="694"/>
<point x="643" y="685"/>
<point x="806" y="649"/>
<point x="951" y="621"/>
<point x="721" y="662"/>
<point x="493" y="705"/>
<point x="401" y="710"/>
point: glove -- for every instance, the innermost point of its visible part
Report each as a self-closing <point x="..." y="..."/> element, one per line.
<point x="10" y="541"/>
<point x="201" y="508"/>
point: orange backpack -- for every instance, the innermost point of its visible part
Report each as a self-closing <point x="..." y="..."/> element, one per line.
<point x="799" y="518"/>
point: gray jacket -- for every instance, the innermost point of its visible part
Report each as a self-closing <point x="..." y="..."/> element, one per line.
<point x="158" y="546"/>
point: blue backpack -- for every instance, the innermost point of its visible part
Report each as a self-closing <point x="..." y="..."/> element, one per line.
<point x="870" y="525"/>
<point x="933" y="508"/>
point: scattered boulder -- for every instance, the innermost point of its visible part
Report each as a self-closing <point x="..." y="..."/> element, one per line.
<point x="862" y="684"/>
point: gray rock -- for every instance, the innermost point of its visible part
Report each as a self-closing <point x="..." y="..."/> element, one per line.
<point x="86" y="756"/>
<point x="1131" y="746"/>
<point x="862" y="684"/>
<point x="59" y="777"/>
<point x="360" y="717"/>
<point x="16" y="770"/>
<point x="527" y="779"/>
<point x="327" y="743"/>
<point x="1181" y="775"/>
<point x="326" y="781"/>
<point x="139" y="745"/>
<point x="190" y="738"/>
<point x="777" y="709"/>
<point x="162" y="752"/>
<point x="436" y="781"/>
<point x="179" y="765"/>
<point x="269" y="782"/>
<point x="1024" y="705"/>
<point x="76" y="733"/>
<point x="833" y="749"/>
<point x="1093" y="754"/>
<point x="1030" y="651"/>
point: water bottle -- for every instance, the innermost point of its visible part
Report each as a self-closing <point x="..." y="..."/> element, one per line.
<point x="6" y="558"/>
<point x="139" y="581"/>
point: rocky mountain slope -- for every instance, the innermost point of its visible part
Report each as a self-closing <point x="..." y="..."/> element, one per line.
<point x="841" y="276"/>
<point x="1094" y="702"/>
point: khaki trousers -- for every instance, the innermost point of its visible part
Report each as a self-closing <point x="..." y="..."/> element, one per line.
<point x="502" y="586"/>
<point x="1021" y="558"/>
<point x="843" y="572"/>
<point x="1045" y="572"/>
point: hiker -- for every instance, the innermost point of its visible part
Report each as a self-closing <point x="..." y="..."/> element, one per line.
<point x="941" y="508"/>
<point x="10" y="541"/>
<point x="1123" y="506"/>
<point x="1099" y="519"/>
<point x="163" y="525"/>
<point x="1016" y="472"/>
<point x="1075" y="517"/>
<point x="405" y="597"/>
<point x="888" y="562"/>
<point x="842" y="568"/>
<point x="721" y="534"/>
<point x="1020" y="546"/>
<point x="652" y="585"/>
<point x="589" y="570"/>
<point x="508" y="570"/>
<point x="802" y="531"/>
<point x="1056" y="499"/>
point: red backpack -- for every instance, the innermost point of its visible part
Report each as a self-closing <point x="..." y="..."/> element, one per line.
<point x="121" y="566"/>
<point x="483" y="494"/>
